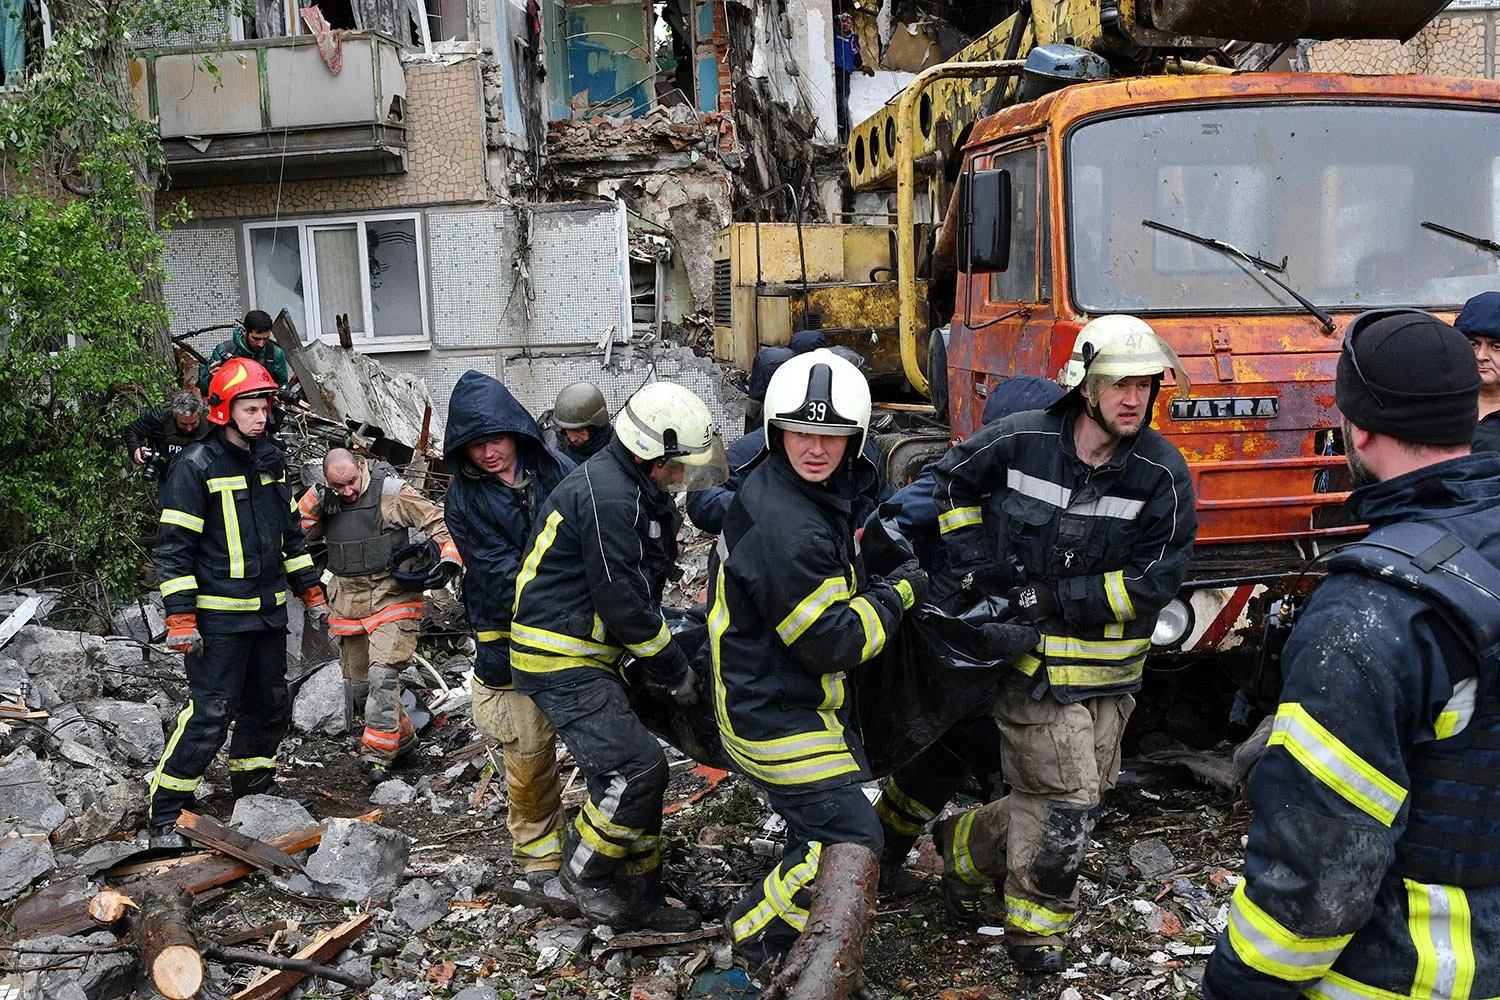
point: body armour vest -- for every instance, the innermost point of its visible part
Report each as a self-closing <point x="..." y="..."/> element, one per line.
<point x="359" y="542"/>
<point x="1453" y="826"/>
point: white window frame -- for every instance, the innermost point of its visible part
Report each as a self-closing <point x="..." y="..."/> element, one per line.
<point x="367" y="343"/>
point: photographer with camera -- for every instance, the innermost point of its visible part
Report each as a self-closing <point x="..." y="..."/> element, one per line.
<point x="158" y="435"/>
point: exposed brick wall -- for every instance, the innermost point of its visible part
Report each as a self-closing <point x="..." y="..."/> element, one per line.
<point x="445" y="164"/>
<point x="1456" y="45"/>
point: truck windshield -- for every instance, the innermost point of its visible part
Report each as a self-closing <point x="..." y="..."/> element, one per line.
<point x="1339" y="190"/>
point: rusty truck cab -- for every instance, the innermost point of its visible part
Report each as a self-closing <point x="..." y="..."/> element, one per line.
<point x="1325" y="180"/>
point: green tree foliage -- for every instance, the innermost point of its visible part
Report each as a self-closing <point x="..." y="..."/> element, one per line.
<point x="81" y="314"/>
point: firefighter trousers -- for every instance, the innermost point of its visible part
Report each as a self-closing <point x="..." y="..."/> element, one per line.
<point x="529" y="747"/>
<point x="767" y="921"/>
<point x="618" y="830"/>
<point x="373" y="662"/>
<point x="916" y="792"/>
<point x="239" y="677"/>
<point x="1058" y="760"/>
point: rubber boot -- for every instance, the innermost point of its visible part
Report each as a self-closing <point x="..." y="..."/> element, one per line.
<point x="965" y="903"/>
<point x="1037" y="957"/>
<point x="596" y="898"/>
<point x="895" y="880"/>
<point x="649" y="907"/>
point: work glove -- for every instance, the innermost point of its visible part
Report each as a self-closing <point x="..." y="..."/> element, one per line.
<point x="182" y="634"/>
<point x="909" y="581"/>
<point x="1033" y="603"/>
<point x="317" y="607"/>
<point x="669" y="674"/>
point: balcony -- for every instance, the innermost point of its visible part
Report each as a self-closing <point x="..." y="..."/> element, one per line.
<point x="272" y="110"/>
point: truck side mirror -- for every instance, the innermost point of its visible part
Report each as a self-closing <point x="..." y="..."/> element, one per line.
<point x="985" y="212"/>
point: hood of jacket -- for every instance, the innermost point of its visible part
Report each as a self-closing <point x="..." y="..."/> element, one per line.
<point x="1456" y="486"/>
<point x="481" y="408"/>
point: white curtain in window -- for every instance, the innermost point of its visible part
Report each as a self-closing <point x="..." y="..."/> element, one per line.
<point x="340" y="278"/>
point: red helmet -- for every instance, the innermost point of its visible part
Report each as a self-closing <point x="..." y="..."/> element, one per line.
<point x="236" y="378"/>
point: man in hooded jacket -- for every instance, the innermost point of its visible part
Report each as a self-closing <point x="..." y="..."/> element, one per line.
<point x="502" y="475"/>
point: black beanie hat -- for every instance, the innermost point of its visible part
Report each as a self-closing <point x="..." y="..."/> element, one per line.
<point x="1420" y="380"/>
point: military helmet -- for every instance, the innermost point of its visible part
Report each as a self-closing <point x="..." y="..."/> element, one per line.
<point x="580" y="405"/>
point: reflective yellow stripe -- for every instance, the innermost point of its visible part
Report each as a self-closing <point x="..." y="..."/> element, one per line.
<point x="1071" y="647"/>
<point x="544" y="540"/>
<point x="160" y="773"/>
<point x="1118" y="596"/>
<point x="251" y="763"/>
<point x="542" y="663"/>
<point x="874" y="630"/>
<point x="640" y="864"/>
<point x="606" y="847"/>
<point x="897" y="821"/>
<point x="1441" y="931"/>
<point x="653" y="645"/>
<point x="1459" y="712"/>
<point x="801" y="772"/>
<point x="961" y="857"/>
<point x="172" y="784"/>
<point x="598" y="633"/>
<point x="959" y="518"/>
<point x="1337" y="987"/>
<point x="597" y="820"/>
<point x="1268" y="947"/>
<point x="232" y="543"/>
<point x="1028" y="664"/>
<point x="280" y="597"/>
<point x="1034" y="918"/>
<point x="1334" y="764"/>
<point x="295" y="563"/>
<point x="181" y="519"/>
<point x="1105" y="676"/>
<point x="544" y="846"/>
<point x="811" y="608"/>
<point x="556" y="642"/>
<point x="178" y="584"/>
<point x="210" y="602"/>
<point x="492" y="634"/>
<point x="221" y="484"/>
<point x="778" y="895"/>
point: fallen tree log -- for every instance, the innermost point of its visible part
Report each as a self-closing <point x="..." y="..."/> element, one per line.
<point x="168" y="950"/>
<point x="825" y="962"/>
<point x="110" y="905"/>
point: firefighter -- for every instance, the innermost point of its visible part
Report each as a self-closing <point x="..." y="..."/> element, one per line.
<point x="1480" y="322"/>
<point x="227" y="551"/>
<point x="589" y="590"/>
<point x="1373" y="864"/>
<point x="364" y="515"/>
<point x="1082" y="516"/>
<point x="502" y="474"/>
<point x="792" y="611"/>
<point x="913" y="796"/>
<point x="583" y="417"/>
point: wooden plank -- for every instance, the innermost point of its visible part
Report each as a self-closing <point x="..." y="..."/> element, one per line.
<point x="649" y="940"/>
<point x="322" y="950"/>
<point x="210" y="832"/>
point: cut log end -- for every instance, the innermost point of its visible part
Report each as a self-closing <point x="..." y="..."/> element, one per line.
<point x="108" y="906"/>
<point x="178" y="972"/>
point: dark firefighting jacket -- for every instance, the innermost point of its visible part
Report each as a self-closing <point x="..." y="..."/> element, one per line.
<point x="791" y="613"/>
<point x="591" y="583"/>
<point x="1338" y="900"/>
<point x="156" y="427"/>
<point x="1017" y="505"/>
<point x="491" y="520"/>
<point x="229" y="545"/>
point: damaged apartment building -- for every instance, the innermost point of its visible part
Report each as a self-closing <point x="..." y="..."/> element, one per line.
<point x="529" y="188"/>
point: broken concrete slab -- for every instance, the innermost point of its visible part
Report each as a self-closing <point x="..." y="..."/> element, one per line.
<point x="26" y="800"/>
<point x="62" y="666"/>
<point x="142" y="621"/>
<point x="419" y="905"/>
<point x="480" y="992"/>
<point x="357" y="861"/>
<point x="266" y="817"/>
<point x="319" y="706"/>
<point x="1152" y="858"/>
<point x="394" y="792"/>
<point x="23" y="860"/>
<point x="127" y="728"/>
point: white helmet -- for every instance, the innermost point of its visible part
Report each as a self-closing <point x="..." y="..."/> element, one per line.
<point x="819" y="393"/>
<point x="664" y="420"/>
<point x="1120" y="347"/>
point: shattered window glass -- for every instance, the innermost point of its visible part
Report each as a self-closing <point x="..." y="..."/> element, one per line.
<point x="395" y="281"/>
<point x="276" y="273"/>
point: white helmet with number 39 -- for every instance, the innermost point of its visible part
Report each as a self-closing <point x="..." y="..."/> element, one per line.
<point x="819" y="393"/>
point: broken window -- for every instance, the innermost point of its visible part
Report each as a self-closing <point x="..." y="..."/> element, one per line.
<point x="415" y="23"/>
<point x="368" y="272"/>
<point x="673" y="36"/>
<point x="25" y="30"/>
<point x="624" y="58"/>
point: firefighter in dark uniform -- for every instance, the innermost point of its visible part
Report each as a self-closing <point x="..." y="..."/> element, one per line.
<point x="590" y="590"/>
<point x="228" y="550"/>
<point x="1373" y="864"/>
<point x="1083" y="517"/>
<point x="791" y="613"/>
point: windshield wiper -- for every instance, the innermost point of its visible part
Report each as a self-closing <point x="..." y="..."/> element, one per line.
<point x="1478" y="241"/>
<point x="1265" y="267"/>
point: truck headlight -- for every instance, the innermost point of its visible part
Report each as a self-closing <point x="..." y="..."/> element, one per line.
<point x="1173" y="624"/>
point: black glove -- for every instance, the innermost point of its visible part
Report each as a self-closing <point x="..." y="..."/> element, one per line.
<point x="1033" y="602"/>
<point x="914" y="577"/>
<point x="668" y="674"/>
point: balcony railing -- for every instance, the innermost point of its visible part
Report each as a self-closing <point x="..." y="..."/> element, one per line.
<point x="272" y="109"/>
